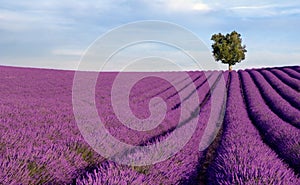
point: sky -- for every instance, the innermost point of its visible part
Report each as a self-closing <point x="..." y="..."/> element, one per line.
<point x="57" y="33"/>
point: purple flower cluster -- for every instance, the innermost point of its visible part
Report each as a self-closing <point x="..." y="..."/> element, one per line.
<point x="277" y="104"/>
<point x="292" y="72"/>
<point x="288" y="93"/>
<point x="242" y="157"/>
<point x="281" y="136"/>
<point x="111" y="173"/>
<point x="41" y="143"/>
<point x="180" y="168"/>
<point x="294" y="83"/>
<point x="296" y="68"/>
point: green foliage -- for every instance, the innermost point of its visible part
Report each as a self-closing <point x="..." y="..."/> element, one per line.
<point x="228" y="48"/>
<point x="35" y="169"/>
<point x="2" y="148"/>
<point x="38" y="172"/>
<point x="141" y="169"/>
<point x="86" y="153"/>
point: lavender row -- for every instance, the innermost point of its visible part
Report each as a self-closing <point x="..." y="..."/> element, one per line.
<point x="183" y="167"/>
<point x="278" y="134"/>
<point x="179" y="169"/>
<point x="275" y="102"/>
<point x="143" y="92"/>
<point x="171" y="95"/>
<point x="182" y="83"/>
<point x="154" y="88"/>
<point x="292" y="72"/>
<point x="118" y="130"/>
<point x="201" y="83"/>
<point x="297" y="68"/>
<point x="140" y="108"/>
<point x="242" y="157"/>
<point x="132" y="137"/>
<point x="204" y="91"/>
<point x="284" y="90"/>
<point x="292" y="82"/>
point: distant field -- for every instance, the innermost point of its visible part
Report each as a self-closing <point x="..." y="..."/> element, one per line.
<point x="258" y="143"/>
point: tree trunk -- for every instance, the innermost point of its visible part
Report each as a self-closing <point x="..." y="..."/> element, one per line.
<point x="230" y="67"/>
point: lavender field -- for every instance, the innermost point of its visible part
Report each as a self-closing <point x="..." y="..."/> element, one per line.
<point x="258" y="141"/>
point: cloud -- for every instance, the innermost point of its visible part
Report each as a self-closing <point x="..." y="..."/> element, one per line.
<point x="251" y="7"/>
<point x="265" y="10"/>
<point x="12" y="20"/>
<point x="254" y="7"/>
<point x="201" y="7"/>
<point x="183" y="6"/>
<point x="67" y="52"/>
<point x="254" y="11"/>
<point x="292" y="11"/>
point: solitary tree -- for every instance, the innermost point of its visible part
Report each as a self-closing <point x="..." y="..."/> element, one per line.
<point x="228" y="48"/>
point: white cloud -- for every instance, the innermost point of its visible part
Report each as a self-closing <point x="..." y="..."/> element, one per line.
<point x="265" y="10"/>
<point x="15" y="21"/>
<point x="184" y="5"/>
<point x="6" y="15"/>
<point x="201" y="7"/>
<point x="67" y="52"/>
<point x="292" y="11"/>
<point x="252" y="7"/>
<point x="29" y="20"/>
<point x="254" y="11"/>
<point x="240" y="8"/>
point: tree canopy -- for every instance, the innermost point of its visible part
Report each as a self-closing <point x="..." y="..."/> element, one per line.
<point x="228" y="48"/>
